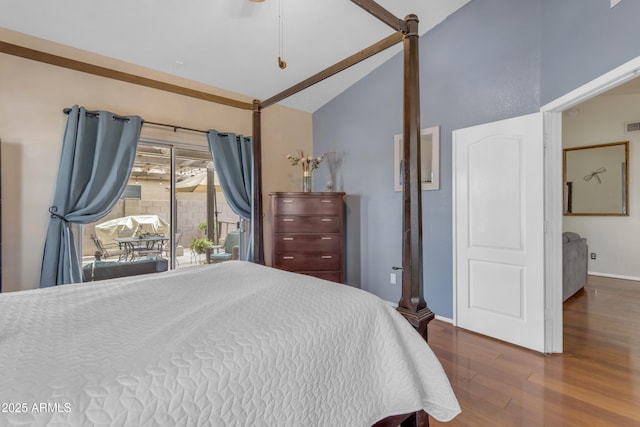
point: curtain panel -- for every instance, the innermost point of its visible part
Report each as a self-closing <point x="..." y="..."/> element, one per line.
<point x="98" y="151"/>
<point x="233" y="159"/>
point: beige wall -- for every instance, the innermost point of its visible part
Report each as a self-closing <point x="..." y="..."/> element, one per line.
<point x="32" y="97"/>
<point x="613" y="238"/>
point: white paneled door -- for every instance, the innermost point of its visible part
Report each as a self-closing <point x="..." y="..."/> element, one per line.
<point x="499" y="230"/>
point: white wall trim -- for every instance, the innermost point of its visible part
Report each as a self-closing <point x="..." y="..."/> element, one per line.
<point x="553" y="169"/>
<point x="614" y="276"/>
<point x="553" y="337"/>
<point x="454" y="233"/>
<point x="617" y="76"/>
<point x="444" y="319"/>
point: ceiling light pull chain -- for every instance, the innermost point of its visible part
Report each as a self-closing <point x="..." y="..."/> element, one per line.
<point x="281" y="63"/>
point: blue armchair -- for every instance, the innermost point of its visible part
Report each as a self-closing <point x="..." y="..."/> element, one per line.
<point x="231" y="249"/>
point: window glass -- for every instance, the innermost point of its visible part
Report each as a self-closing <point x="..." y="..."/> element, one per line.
<point x="140" y="226"/>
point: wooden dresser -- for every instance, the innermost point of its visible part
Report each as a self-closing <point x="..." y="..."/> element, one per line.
<point x="308" y="234"/>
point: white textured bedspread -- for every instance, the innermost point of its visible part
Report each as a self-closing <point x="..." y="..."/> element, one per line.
<point x="230" y="344"/>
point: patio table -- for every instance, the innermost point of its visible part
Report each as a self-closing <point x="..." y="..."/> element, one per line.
<point x="135" y="247"/>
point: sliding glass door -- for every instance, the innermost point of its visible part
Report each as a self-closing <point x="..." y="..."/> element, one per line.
<point x="203" y="217"/>
<point x="172" y="210"/>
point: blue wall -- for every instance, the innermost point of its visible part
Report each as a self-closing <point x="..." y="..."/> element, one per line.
<point x="484" y="63"/>
<point x="582" y="40"/>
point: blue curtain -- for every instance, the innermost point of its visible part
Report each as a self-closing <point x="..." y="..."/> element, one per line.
<point x="98" y="151"/>
<point x="233" y="159"/>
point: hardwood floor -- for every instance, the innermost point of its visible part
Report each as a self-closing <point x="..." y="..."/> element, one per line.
<point x="595" y="382"/>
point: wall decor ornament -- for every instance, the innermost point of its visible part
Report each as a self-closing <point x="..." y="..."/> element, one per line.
<point x="429" y="159"/>
<point x="596" y="179"/>
<point x="309" y="164"/>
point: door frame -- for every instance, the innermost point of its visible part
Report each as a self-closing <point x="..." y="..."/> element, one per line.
<point x="552" y="119"/>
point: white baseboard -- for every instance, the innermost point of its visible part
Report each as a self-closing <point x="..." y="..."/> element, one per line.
<point x="614" y="276"/>
<point x="444" y="319"/>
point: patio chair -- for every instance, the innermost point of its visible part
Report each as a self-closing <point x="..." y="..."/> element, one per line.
<point x="106" y="251"/>
<point x="231" y="249"/>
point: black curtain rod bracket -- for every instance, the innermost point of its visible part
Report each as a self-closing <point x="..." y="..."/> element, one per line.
<point x="97" y="114"/>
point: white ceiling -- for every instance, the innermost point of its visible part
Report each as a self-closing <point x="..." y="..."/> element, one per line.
<point x="229" y="44"/>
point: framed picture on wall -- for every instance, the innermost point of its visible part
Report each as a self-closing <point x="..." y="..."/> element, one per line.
<point x="596" y="179"/>
<point x="429" y="162"/>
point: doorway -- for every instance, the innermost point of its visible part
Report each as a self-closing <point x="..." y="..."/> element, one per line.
<point x="554" y="190"/>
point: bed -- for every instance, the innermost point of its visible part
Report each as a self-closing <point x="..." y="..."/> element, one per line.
<point x="230" y="344"/>
<point x="409" y="381"/>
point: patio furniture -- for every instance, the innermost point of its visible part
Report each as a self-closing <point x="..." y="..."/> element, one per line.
<point x="143" y="246"/>
<point x="131" y="226"/>
<point x="106" y="251"/>
<point x="101" y="270"/>
<point x="231" y="249"/>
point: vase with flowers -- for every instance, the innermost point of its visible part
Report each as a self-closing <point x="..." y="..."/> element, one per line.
<point x="309" y="164"/>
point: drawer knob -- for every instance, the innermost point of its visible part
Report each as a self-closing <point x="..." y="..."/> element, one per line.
<point x="287" y="257"/>
<point x="287" y="238"/>
<point x="287" y="219"/>
<point x="326" y="201"/>
<point x="326" y="257"/>
<point x="325" y="238"/>
<point x="326" y="220"/>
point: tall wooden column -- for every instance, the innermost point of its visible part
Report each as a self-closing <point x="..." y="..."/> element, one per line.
<point x="412" y="304"/>
<point x="256" y="225"/>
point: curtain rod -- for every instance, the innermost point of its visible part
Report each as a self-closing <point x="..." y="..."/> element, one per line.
<point x="175" y="128"/>
<point x="96" y="113"/>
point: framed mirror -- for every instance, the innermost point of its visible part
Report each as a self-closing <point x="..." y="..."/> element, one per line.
<point x="429" y="159"/>
<point x="596" y="179"/>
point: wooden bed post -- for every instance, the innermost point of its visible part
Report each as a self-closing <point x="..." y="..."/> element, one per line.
<point x="257" y="215"/>
<point x="412" y="304"/>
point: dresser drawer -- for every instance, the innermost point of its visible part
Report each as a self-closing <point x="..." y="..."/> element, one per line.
<point x="308" y="233"/>
<point x="308" y="205"/>
<point x="307" y="243"/>
<point x="307" y="262"/>
<point x="307" y="224"/>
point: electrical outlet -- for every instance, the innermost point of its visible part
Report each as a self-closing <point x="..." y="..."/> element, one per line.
<point x="392" y="278"/>
<point x="593" y="255"/>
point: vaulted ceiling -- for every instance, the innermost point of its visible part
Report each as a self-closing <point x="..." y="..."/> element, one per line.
<point x="229" y="44"/>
